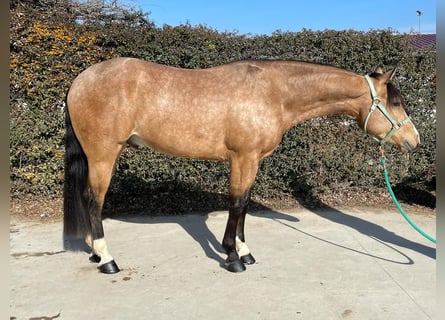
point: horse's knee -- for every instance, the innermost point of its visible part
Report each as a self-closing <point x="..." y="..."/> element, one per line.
<point x="239" y="203"/>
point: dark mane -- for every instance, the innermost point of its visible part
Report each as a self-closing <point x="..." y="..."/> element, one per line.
<point x="394" y="96"/>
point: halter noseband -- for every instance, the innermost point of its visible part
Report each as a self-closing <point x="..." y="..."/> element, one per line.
<point x="377" y="103"/>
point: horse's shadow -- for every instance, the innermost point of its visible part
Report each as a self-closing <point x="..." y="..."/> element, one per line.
<point x="169" y="205"/>
<point x="166" y="203"/>
<point x="370" y="229"/>
<point x="198" y="229"/>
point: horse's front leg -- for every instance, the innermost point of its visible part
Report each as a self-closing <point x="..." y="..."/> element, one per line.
<point x="240" y="241"/>
<point x="231" y="241"/>
<point x="243" y="170"/>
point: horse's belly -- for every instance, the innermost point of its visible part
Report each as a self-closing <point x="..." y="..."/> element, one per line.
<point x="182" y="146"/>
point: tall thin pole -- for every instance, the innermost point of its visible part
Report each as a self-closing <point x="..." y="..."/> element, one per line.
<point x="419" y="13"/>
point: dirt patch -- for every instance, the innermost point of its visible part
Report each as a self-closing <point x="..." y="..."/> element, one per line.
<point x="34" y="208"/>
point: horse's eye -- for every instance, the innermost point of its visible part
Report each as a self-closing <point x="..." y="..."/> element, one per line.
<point x="397" y="104"/>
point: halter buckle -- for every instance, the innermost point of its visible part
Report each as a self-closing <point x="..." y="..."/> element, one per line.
<point x="376" y="101"/>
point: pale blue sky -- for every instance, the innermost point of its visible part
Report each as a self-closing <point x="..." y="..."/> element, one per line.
<point x="264" y="17"/>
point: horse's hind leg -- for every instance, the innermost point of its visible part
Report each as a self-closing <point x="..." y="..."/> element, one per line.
<point x="242" y="175"/>
<point x="99" y="178"/>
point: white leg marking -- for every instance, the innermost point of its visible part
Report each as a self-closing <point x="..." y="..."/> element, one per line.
<point x="241" y="247"/>
<point x="89" y="241"/>
<point x="100" y="248"/>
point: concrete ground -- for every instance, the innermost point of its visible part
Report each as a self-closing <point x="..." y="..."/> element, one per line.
<point x="348" y="264"/>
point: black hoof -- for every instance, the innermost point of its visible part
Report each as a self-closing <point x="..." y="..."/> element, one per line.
<point x="248" y="259"/>
<point x="109" y="267"/>
<point x="235" y="266"/>
<point x="95" y="258"/>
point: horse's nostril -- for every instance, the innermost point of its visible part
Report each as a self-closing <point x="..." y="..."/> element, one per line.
<point x="410" y="147"/>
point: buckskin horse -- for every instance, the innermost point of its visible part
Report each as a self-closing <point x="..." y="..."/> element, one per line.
<point x="237" y="112"/>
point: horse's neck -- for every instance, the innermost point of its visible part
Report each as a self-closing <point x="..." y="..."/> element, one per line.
<point x="312" y="95"/>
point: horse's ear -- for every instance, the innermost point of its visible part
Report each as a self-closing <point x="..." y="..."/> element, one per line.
<point x="378" y="70"/>
<point x="387" y="76"/>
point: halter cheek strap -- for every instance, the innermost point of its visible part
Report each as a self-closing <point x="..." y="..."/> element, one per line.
<point x="377" y="104"/>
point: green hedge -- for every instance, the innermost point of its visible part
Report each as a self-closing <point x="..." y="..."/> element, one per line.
<point x="49" y="47"/>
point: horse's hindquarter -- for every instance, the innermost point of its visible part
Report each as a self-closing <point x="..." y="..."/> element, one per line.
<point x="192" y="113"/>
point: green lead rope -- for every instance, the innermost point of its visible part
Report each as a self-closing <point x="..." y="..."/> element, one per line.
<point x="393" y="197"/>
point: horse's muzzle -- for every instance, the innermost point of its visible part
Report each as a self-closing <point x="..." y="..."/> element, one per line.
<point x="409" y="147"/>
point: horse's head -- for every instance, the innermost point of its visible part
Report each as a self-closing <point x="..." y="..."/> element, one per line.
<point x="386" y="119"/>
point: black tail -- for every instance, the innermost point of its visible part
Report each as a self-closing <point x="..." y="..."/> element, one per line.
<point x="76" y="218"/>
